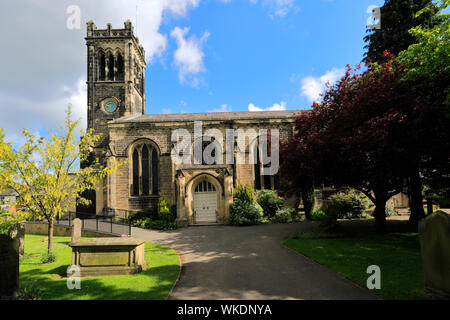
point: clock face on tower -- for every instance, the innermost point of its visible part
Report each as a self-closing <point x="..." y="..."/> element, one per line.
<point x="110" y="106"/>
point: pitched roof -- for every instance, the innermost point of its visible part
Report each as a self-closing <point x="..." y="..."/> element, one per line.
<point x="9" y="192"/>
<point x="210" y="116"/>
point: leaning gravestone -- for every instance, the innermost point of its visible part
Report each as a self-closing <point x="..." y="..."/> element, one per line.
<point x="76" y="230"/>
<point x="435" y="247"/>
<point x="9" y="262"/>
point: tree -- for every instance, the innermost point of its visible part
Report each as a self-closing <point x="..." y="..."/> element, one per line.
<point x="46" y="173"/>
<point x="397" y="18"/>
<point x="404" y="22"/>
<point x="427" y="75"/>
<point x="297" y="163"/>
<point x="356" y="136"/>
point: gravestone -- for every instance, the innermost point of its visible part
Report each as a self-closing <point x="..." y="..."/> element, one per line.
<point x="18" y="235"/>
<point x="9" y="258"/>
<point x="435" y="247"/>
<point x="76" y="230"/>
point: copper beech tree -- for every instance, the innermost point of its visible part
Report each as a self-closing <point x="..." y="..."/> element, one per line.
<point x="370" y="133"/>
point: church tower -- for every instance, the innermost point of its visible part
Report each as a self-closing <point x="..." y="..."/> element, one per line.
<point x="115" y="77"/>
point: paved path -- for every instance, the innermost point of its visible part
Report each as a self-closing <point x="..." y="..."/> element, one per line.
<point x="224" y="262"/>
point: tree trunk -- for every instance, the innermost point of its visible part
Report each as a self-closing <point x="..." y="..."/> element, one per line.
<point x="429" y="206"/>
<point x="50" y="236"/>
<point x="308" y="198"/>
<point x="416" y="199"/>
<point x="380" y="213"/>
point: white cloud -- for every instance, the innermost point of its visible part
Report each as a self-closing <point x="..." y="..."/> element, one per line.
<point x="45" y="60"/>
<point x="313" y="87"/>
<point x="279" y="8"/>
<point x="276" y="107"/>
<point x="222" y="108"/>
<point x="189" y="56"/>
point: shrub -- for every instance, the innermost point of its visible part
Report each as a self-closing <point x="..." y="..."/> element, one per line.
<point x="286" y="215"/>
<point x="347" y="205"/>
<point x="444" y="203"/>
<point x="143" y="214"/>
<point x="390" y="212"/>
<point x="244" y="193"/>
<point x="9" y="222"/>
<point x="326" y="219"/>
<point x="48" y="258"/>
<point x="270" y="202"/>
<point x="30" y="291"/>
<point x="244" y="213"/>
<point x="154" y="224"/>
<point x="164" y="213"/>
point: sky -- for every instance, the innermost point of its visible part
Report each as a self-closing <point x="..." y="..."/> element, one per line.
<point x="202" y="55"/>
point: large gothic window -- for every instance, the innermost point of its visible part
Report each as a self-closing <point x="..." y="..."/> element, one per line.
<point x="135" y="190"/>
<point x="199" y="157"/>
<point x="145" y="171"/>
<point x="155" y="172"/>
<point x="102" y="67"/>
<point x="110" y="67"/>
<point x="144" y="167"/>
<point x="120" y="68"/>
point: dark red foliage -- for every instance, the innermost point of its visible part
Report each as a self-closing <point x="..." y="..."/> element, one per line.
<point x="371" y="132"/>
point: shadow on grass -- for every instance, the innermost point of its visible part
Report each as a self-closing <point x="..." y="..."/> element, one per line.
<point x="96" y="288"/>
<point x="154" y="283"/>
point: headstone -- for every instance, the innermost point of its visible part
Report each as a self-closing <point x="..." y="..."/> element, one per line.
<point x="435" y="247"/>
<point x="76" y="230"/>
<point x="9" y="266"/>
<point x="18" y="235"/>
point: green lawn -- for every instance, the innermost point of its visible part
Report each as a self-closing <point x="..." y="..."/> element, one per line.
<point x="154" y="283"/>
<point x="397" y="255"/>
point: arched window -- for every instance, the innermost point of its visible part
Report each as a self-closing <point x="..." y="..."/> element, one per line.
<point x="205" y="186"/>
<point x="110" y="67"/>
<point x="101" y="66"/>
<point x="145" y="171"/>
<point x="120" y="67"/>
<point x="257" y="167"/>
<point x="145" y="167"/>
<point x="263" y="181"/>
<point x="135" y="165"/>
<point x="199" y="157"/>
<point x="155" y="172"/>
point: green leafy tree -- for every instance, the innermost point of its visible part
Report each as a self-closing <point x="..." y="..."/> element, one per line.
<point x="397" y="18"/>
<point x="428" y="75"/>
<point x="46" y="173"/>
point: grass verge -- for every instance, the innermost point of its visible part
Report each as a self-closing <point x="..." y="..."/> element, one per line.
<point x="397" y="255"/>
<point x="152" y="284"/>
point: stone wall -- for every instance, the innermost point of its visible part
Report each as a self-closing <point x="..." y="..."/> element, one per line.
<point x="59" y="230"/>
<point x="124" y="136"/>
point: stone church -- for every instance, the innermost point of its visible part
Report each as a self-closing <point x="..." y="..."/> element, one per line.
<point x="200" y="192"/>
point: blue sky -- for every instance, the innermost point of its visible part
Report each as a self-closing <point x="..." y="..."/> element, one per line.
<point x="251" y="58"/>
<point x="202" y="55"/>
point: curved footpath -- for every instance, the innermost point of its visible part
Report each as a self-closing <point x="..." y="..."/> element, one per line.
<point x="223" y="262"/>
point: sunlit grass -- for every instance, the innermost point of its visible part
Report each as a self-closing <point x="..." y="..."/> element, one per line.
<point x="154" y="283"/>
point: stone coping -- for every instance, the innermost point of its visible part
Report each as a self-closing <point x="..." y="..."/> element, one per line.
<point x="99" y="242"/>
<point x="210" y="116"/>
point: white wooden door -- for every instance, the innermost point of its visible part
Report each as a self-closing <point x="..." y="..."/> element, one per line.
<point x="205" y="203"/>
